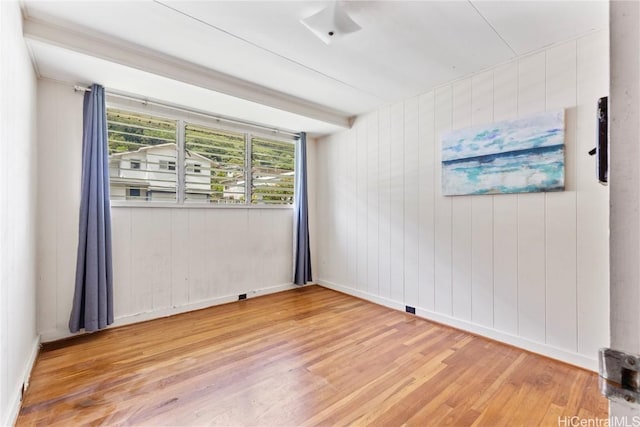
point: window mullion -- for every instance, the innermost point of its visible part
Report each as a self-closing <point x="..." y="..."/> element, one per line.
<point x="247" y="167"/>
<point x="180" y="167"/>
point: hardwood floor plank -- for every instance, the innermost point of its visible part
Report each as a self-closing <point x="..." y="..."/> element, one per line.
<point x="307" y="357"/>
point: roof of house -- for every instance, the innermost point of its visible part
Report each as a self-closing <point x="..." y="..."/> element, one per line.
<point x="191" y="154"/>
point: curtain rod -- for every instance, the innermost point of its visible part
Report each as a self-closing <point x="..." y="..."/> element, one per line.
<point x="78" y="88"/>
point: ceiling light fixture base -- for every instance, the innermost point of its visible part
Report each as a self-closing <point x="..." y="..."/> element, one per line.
<point x="331" y="23"/>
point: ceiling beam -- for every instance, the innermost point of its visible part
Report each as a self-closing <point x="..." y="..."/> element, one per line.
<point x="113" y="50"/>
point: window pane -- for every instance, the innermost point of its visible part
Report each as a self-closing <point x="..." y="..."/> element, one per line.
<point x="214" y="165"/>
<point x="141" y="151"/>
<point x="272" y="165"/>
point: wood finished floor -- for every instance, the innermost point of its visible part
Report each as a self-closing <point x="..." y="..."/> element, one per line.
<point x="305" y="357"/>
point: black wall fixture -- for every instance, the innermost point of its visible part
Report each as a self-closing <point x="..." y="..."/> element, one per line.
<point x="602" y="144"/>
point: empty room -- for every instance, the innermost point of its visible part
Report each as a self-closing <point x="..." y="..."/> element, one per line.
<point x="300" y="213"/>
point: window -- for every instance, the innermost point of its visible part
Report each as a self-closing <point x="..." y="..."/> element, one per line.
<point x="167" y="165"/>
<point x="136" y="140"/>
<point x="158" y="159"/>
<point x="137" y="193"/>
<point x="223" y="153"/>
<point x="271" y="171"/>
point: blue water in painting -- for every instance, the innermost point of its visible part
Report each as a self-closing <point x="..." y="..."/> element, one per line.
<point x="519" y="171"/>
<point x="513" y="156"/>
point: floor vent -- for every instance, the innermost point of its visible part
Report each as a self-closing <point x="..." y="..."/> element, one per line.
<point x="410" y="309"/>
<point x="242" y="296"/>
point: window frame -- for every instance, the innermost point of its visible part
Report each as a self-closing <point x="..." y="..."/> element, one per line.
<point x="135" y="164"/>
<point x="182" y="119"/>
<point x="167" y="165"/>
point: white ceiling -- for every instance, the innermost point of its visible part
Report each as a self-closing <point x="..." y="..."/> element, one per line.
<point x="405" y="48"/>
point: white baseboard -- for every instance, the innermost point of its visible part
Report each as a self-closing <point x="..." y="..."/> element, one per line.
<point x="15" y="397"/>
<point x="362" y="294"/>
<point x="562" y="355"/>
<point x="57" y="334"/>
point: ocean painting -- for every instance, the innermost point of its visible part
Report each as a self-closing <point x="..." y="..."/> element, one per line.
<point x="513" y="156"/>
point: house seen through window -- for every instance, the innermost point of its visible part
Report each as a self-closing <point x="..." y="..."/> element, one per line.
<point x="134" y="194"/>
<point x="219" y="166"/>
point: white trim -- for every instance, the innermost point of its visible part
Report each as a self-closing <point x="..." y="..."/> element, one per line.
<point x="15" y="397"/>
<point x="191" y="116"/>
<point x="195" y="205"/>
<point x="361" y="294"/>
<point x="87" y="42"/>
<point x="543" y="349"/>
<point x="57" y="334"/>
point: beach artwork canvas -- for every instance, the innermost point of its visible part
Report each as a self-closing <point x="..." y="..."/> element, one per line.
<point x="513" y="156"/>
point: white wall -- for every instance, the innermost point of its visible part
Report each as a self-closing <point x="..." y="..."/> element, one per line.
<point x="18" y="339"/>
<point x="166" y="260"/>
<point x="624" y="126"/>
<point x="528" y="269"/>
<point x="312" y="196"/>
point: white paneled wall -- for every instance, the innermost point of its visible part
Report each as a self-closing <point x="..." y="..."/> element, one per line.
<point x="169" y="258"/>
<point x="528" y="269"/>
<point x="18" y="337"/>
<point x="165" y="260"/>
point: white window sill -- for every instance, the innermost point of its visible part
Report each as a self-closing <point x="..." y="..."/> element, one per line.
<point x="131" y="204"/>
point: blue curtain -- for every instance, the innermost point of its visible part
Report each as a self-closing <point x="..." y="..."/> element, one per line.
<point x="302" y="270"/>
<point x="93" y="297"/>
